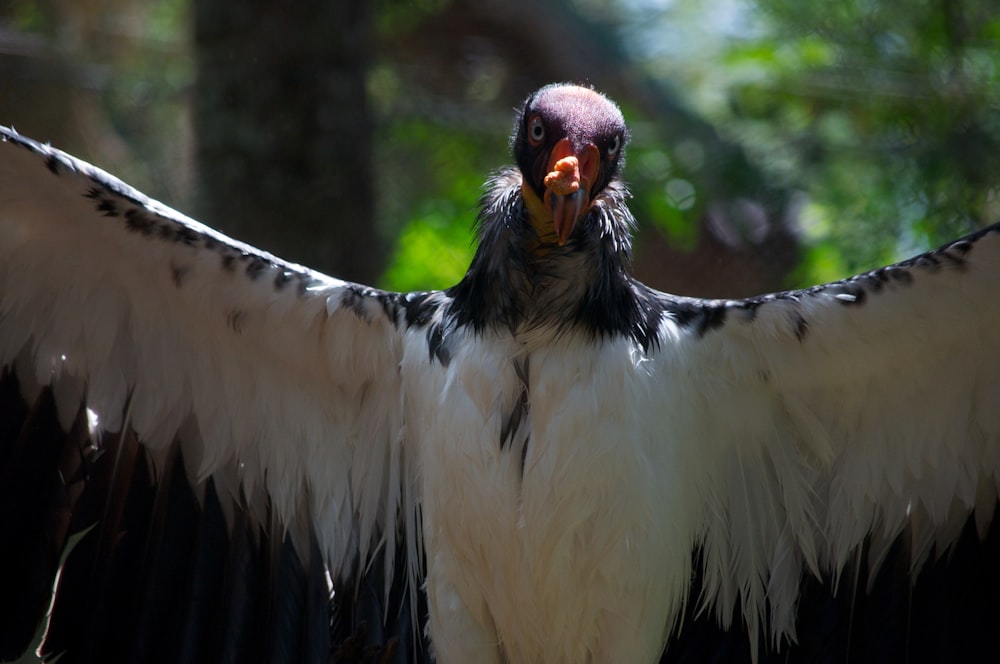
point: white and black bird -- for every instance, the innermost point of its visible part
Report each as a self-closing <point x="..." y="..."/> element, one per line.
<point x="572" y="466"/>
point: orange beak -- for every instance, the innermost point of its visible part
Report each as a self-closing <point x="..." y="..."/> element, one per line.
<point x="570" y="176"/>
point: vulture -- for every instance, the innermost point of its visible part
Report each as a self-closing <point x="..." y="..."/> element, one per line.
<point x="203" y="447"/>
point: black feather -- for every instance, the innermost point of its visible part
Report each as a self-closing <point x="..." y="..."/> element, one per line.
<point x="35" y="507"/>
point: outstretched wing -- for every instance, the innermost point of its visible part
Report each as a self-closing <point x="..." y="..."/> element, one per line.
<point x="816" y="427"/>
<point x="278" y="386"/>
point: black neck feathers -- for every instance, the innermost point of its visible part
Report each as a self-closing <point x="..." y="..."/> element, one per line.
<point x="517" y="284"/>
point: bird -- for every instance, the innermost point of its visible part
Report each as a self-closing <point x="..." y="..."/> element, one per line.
<point x="554" y="461"/>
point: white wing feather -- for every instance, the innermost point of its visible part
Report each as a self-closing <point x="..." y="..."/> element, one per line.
<point x="814" y="420"/>
<point x="276" y="375"/>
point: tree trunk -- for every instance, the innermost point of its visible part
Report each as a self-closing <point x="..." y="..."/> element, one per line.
<point x="284" y="138"/>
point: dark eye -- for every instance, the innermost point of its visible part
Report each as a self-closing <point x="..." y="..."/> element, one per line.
<point x="536" y="130"/>
<point x="614" y="145"/>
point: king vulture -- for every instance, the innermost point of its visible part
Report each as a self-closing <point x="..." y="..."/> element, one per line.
<point x="557" y="462"/>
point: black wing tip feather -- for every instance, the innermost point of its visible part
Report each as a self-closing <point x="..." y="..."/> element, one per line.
<point x="41" y="467"/>
<point x="163" y="577"/>
<point x="947" y="611"/>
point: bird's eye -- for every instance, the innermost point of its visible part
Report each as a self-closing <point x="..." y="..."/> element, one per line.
<point x="614" y="145"/>
<point x="536" y="130"/>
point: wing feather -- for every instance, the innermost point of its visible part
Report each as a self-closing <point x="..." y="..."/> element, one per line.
<point x="279" y="382"/>
<point x="835" y="418"/>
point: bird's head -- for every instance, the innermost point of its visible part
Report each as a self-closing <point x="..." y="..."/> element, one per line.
<point x="569" y="143"/>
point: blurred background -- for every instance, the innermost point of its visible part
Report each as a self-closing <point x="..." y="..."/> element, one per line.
<point x="775" y="143"/>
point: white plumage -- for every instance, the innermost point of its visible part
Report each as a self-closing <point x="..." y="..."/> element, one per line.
<point x="775" y="437"/>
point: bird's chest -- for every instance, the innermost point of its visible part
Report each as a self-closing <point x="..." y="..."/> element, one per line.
<point x="537" y="481"/>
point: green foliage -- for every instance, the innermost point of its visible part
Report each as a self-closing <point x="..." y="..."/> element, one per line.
<point x="439" y="167"/>
<point x="28" y="16"/>
<point x="433" y="250"/>
<point x="147" y="97"/>
<point x="664" y="194"/>
<point x="887" y="114"/>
